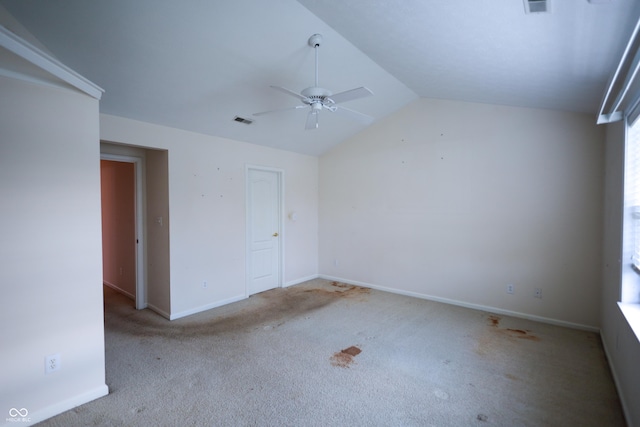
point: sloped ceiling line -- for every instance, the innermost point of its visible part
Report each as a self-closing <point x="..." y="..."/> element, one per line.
<point x="32" y="54"/>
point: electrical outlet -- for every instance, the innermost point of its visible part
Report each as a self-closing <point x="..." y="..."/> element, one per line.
<point x="204" y="284"/>
<point x="336" y="262"/>
<point x="538" y="293"/>
<point x="509" y="289"/>
<point x="52" y="363"/>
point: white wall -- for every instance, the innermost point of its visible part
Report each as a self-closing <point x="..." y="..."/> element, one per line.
<point x="51" y="275"/>
<point x="623" y="348"/>
<point x="456" y="200"/>
<point x="207" y="210"/>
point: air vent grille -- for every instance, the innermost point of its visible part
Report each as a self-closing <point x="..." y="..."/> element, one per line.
<point x="536" y="6"/>
<point x="243" y="120"/>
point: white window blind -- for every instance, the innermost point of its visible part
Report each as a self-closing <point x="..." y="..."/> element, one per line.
<point x="632" y="187"/>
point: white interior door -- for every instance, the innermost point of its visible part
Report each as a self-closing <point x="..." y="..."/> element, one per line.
<point x="263" y="229"/>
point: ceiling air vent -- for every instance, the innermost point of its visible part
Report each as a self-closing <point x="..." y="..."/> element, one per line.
<point x="243" y="120"/>
<point x="536" y="6"/>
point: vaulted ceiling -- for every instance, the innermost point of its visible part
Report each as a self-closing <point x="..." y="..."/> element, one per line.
<point x="197" y="64"/>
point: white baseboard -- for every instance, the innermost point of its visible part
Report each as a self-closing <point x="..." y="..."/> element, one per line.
<point x="160" y="311"/>
<point x="120" y="290"/>
<point x="189" y="312"/>
<point x="301" y="280"/>
<point x="467" y="305"/>
<point x="206" y="307"/>
<point x="60" y="407"/>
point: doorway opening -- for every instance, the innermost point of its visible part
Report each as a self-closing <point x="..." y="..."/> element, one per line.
<point x="122" y="226"/>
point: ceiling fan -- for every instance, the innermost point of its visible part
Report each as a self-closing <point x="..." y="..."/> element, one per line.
<point x="317" y="98"/>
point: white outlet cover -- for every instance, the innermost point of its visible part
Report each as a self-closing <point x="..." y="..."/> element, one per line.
<point x="52" y="363"/>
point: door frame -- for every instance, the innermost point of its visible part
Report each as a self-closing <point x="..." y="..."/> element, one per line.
<point x="141" y="284"/>
<point x="280" y="174"/>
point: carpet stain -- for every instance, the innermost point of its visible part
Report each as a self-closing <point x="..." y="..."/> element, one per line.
<point x="522" y="334"/>
<point x="265" y="311"/>
<point x="491" y="338"/>
<point x="483" y="418"/>
<point x="339" y="285"/>
<point x="344" y="358"/>
<point x="494" y="321"/>
<point x="342" y="290"/>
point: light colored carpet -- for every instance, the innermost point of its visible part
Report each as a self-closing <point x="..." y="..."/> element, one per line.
<point x="328" y="354"/>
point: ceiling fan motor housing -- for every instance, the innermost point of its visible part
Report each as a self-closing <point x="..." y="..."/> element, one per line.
<point x="316" y="92"/>
<point x="316" y="96"/>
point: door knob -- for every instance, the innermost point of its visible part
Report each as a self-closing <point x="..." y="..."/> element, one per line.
<point x="275" y="234"/>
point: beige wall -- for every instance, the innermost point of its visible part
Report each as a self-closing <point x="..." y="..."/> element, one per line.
<point x="157" y="235"/>
<point x="206" y="213"/>
<point x="51" y="275"/>
<point x="454" y="201"/>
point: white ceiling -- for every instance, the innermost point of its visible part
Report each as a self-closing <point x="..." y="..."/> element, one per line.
<point x="198" y="64"/>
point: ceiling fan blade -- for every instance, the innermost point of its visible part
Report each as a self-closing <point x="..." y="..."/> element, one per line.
<point x="312" y="120"/>
<point x="362" y="118"/>
<point x="289" y="92"/>
<point x="297" y="107"/>
<point x="350" y="95"/>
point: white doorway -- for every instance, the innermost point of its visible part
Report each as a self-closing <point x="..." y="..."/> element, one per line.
<point x="139" y="296"/>
<point x="264" y="228"/>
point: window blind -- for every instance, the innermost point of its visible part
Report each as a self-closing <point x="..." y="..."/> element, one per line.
<point x="632" y="187"/>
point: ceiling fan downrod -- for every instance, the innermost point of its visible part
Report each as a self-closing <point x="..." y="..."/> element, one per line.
<point x="315" y="41"/>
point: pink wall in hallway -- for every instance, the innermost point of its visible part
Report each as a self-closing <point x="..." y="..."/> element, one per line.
<point x="118" y="225"/>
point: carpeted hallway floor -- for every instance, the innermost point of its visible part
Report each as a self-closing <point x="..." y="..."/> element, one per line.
<point x="329" y="354"/>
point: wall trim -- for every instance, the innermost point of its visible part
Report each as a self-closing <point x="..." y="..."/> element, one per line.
<point x="301" y="280"/>
<point x="119" y="290"/>
<point x="42" y="60"/>
<point x="185" y="313"/>
<point x="467" y="305"/>
<point x="159" y="311"/>
<point x="64" y="405"/>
